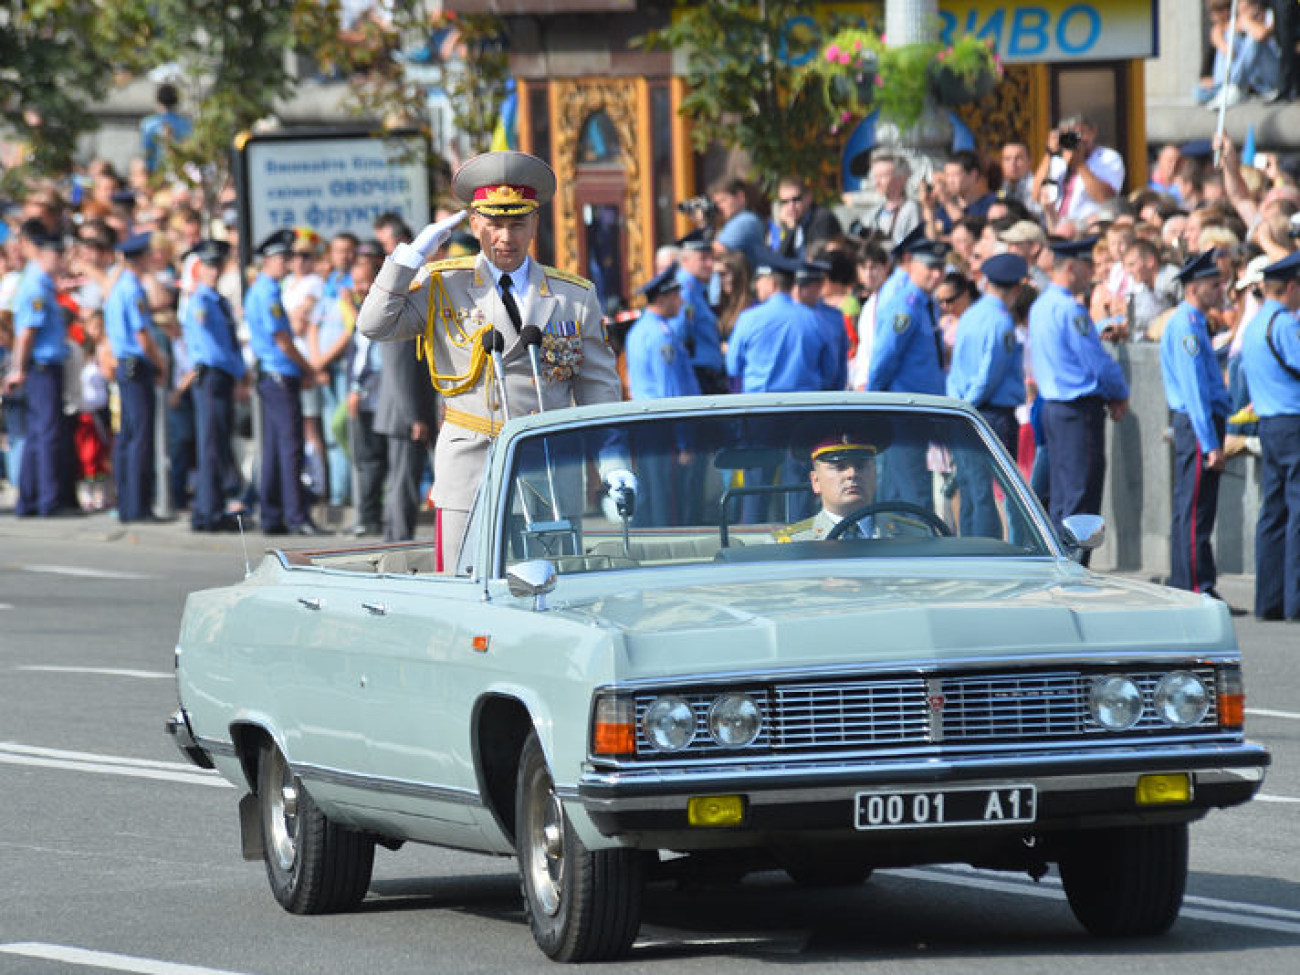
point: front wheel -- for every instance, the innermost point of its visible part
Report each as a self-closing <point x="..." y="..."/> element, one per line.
<point x="314" y="866"/>
<point x="1126" y="882"/>
<point x="582" y="905"/>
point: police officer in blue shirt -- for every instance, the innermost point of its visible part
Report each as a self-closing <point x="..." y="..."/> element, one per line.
<point x="37" y="367"/>
<point x="905" y="358"/>
<point x="1199" y="401"/>
<point x="696" y="324"/>
<point x="130" y="330"/>
<point x="282" y="371"/>
<point x="988" y="373"/>
<point x="1078" y="382"/>
<point x="809" y="280"/>
<point x="209" y="326"/>
<point x="1270" y="360"/>
<point x="777" y="346"/>
<point x="657" y="367"/>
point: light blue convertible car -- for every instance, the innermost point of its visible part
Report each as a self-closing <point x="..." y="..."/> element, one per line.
<point x="823" y="633"/>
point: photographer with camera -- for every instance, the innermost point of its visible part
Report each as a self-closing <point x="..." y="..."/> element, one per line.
<point x="742" y="230"/>
<point x="1076" y="176"/>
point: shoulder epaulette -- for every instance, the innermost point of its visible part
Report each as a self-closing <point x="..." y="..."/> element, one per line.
<point x="787" y="534"/>
<point x="452" y="264"/>
<point x="437" y="267"/>
<point x="555" y="272"/>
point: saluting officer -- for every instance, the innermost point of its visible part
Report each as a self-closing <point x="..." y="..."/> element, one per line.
<point x="282" y="371"/>
<point x="1198" y="398"/>
<point x="209" y="326"/>
<point x="905" y="357"/>
<point x="456" y="305"/>
<point x="1078" y="382"/>
<point x="129" y="326"/>
<point x="1270" y="359"/>
<point x="988" y="373"/>
<point x="696" y="323"/>
<point x="37" y="367"/>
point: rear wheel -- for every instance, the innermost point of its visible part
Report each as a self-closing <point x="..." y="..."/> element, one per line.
<point x="1126" y="882"/>
<point x="314" y="866"/>
<point x="582" y="905"/>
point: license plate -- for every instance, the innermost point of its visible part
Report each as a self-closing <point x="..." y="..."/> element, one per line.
<point x="956" y="806"/>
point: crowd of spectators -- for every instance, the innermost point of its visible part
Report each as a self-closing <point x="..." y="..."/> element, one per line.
<point x="744" y="250"/>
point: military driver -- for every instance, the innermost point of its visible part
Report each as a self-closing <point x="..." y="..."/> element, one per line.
<point x="843" y="476"/>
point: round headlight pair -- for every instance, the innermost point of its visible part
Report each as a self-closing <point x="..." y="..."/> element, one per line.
<point x="669" y="723"/>
<point x="1180" y="700"/>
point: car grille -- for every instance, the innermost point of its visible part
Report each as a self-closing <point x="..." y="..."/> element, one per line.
<point x="869" y="713"/>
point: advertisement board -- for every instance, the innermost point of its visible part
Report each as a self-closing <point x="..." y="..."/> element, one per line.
<point x="329" y="180"/>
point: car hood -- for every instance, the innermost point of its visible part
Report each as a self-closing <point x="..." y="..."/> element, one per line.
<point x="758" y="619"/>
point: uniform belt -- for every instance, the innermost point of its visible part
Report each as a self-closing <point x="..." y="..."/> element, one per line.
<point x="479" y="424"/>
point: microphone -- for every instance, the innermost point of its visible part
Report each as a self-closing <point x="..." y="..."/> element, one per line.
<point x="494" y="345"/>
<point x="531" y="336"/>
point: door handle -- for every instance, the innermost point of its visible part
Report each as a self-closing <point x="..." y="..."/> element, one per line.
<point x="311" y="602"/>
<point x="375" y="609"/>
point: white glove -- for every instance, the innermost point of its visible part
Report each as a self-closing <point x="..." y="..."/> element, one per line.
<point x="621" y="486"/>
<point x="430" y="239"/>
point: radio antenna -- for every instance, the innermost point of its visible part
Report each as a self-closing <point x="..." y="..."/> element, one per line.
<point x="239" y="520"/>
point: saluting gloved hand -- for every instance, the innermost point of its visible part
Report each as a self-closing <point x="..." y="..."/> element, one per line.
<point x="621" y="486"/>
<point x="431" y="238"/>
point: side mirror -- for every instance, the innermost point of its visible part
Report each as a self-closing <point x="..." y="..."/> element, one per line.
<point x="1082" y="533"/>
<point x="534" y="578"/>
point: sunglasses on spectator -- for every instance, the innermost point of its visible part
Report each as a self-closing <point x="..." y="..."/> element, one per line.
<point x="790" y="199"/>
<point x="945" y="299"/>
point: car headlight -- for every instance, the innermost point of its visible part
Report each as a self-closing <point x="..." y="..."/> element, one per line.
<point x="1115" y="703"/>
<point x="734" y="720"/>
<point x="669" y="724"/>
<point x="1181" y="699"/>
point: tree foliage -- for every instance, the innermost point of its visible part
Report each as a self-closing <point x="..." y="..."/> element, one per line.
<point x="744" y="88"/>
<point x="56" y="58"/>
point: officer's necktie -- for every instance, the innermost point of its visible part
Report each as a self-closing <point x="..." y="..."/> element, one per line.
<point x="508" y="299"/>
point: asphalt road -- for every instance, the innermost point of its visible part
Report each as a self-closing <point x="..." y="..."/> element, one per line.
<point x="115" y="856"/>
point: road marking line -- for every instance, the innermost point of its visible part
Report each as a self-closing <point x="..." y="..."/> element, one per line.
<point x="1227" y="912"/>
<point x="1263" y="797"/>
<point x="6" y="606"/>
<point x="82" y="572"/>
<point x="12" y="754"/>
<point x="1265" y="713"/>
<point x="102" y="671"/>
<point x="106" y="959"/>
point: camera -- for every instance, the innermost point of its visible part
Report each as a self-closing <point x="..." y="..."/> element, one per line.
<point x="698" y="205"/>
<point x="1067" y="141"/>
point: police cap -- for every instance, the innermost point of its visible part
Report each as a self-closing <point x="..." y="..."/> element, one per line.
<point x="1078" y="250"/>
<point x="696" y="240"/>
<point x="1200" y="267"/>
<point x="39" y="234"/>
<point x="661" y="284"/>
<point x="1004" y="270"/>
<point x="1285" y="269"/>
<point x="812" y="271"/>
<point x="774" y="263"/>
<point x="921" y="248"/>
<point x="278" y="242"/>
<point x="212" y="252"/>
<point x="843" y="446"/>
<point x="135" y="245"/>
<point x="504" y="184"/>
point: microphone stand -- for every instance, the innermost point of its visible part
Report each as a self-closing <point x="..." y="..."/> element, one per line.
<point x="531" y="336"/>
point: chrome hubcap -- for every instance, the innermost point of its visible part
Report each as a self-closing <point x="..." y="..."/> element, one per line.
<point x="544" y="847"/>
<point x="282" y="816"/>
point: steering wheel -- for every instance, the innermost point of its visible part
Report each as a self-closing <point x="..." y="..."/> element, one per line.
<point x="932" y="521"/>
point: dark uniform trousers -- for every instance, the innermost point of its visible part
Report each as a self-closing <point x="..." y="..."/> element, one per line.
<point x="216" y="409"/>
<point x="1196" y="502"/>
<point x="38" y="478"/>
<point x="1076" y="443"/>
<point x="979" y="516"/>
<point x="370" y="459"/>
<point x="281" y="486"/>
<point x="133" y="453"/>
<point x="1277" y="535"/>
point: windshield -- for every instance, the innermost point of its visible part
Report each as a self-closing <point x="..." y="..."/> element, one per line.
<point x="760" y="486"/>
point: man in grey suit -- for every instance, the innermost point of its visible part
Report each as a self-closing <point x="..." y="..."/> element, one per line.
<point x="458" y="305"/>
<point x="407" y="414"/>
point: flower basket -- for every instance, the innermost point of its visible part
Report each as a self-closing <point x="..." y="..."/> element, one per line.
<point x="964" y="72"/>
<point x="951" y="87"/>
